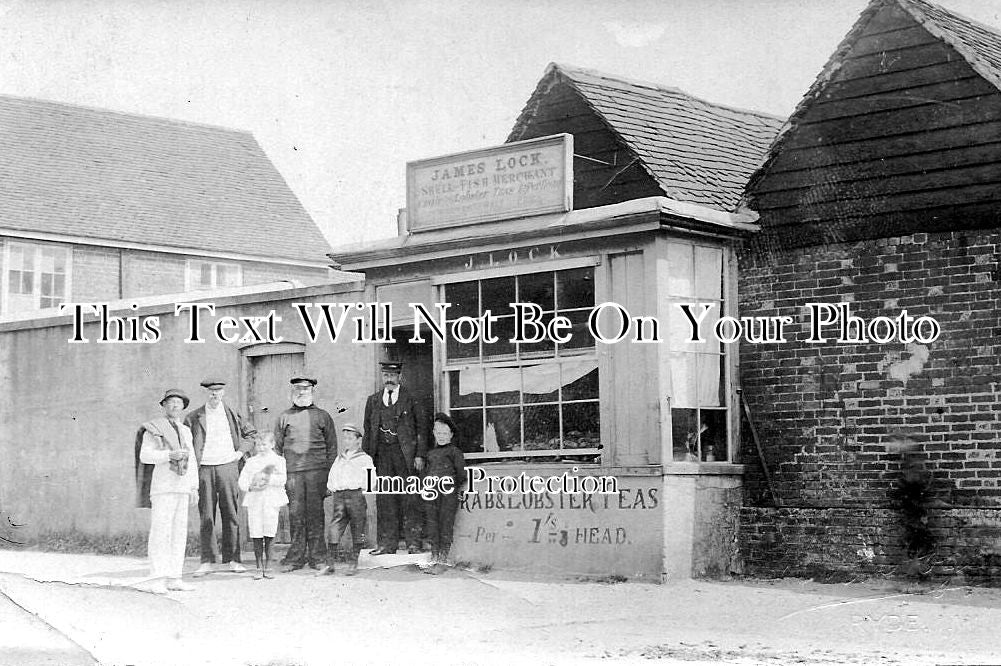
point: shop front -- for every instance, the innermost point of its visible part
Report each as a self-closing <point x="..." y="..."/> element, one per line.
<point x="595" y="374"/>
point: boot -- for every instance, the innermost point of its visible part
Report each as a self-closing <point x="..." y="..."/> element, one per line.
<point x="352" y="557"/>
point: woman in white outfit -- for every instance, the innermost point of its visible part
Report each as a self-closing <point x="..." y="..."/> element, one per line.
<point x="167" y="446"/>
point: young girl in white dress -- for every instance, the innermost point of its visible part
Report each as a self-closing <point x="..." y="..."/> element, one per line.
<point x="263" y="481"/>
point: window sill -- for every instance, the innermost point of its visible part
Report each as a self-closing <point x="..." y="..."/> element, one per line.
<point x="703" y="468"/>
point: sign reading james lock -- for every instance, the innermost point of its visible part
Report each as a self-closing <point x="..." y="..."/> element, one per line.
<point x="518" y="179"/>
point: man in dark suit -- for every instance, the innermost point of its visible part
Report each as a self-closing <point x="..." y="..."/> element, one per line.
<point x="220" y="438"/>
<point x="396" y="439"/>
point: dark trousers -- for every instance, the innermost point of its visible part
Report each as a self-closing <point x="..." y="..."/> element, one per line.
<point x="344" y="508"/>
<point x="396" y="515"/>
<point x="217" y="487"/>
<point x="305" y="514"/>
<point x="440" y="514"/>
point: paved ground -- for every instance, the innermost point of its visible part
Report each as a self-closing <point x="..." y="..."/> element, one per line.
<point x="80" y="609"/>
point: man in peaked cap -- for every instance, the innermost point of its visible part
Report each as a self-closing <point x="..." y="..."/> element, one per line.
<point x="307" y="437"/>
<point x="220" y="438"/>
<point x="396" y="439"/>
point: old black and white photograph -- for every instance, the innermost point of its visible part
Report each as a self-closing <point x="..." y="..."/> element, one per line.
<point x="445" y="332"/>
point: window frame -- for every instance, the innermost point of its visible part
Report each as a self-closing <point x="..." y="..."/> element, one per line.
<point x="727" y="353"/>
<point x="189" y="268"/>
<point x="443" y="366"/>
<point x="36" y="292"/>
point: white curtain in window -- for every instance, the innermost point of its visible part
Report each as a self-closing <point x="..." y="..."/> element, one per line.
<point x="539" y="379"/>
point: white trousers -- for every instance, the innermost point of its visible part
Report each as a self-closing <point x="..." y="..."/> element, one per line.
<point x="168" y="534"/>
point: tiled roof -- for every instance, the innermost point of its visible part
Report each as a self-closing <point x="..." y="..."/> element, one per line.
<point x="128" y="178"/>
<point x="696" y="150"/>
<point x="976" y="43"/>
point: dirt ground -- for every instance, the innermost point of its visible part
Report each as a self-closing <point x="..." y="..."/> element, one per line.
<point x="83" y="609"/>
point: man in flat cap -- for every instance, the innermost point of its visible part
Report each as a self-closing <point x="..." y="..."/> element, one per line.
<point x="307" y="437"/>
<point x="396" y="439"/>
<point x="220" y="438"/>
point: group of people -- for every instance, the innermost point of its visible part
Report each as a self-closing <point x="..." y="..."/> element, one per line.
<point x="212" y="456"/>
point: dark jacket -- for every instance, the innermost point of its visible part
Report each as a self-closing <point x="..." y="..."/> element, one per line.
<point x="447" y="461"/>
<point x="412" y="425"/>
<point x="307" y="437"/>
<point x="238" y="430"/>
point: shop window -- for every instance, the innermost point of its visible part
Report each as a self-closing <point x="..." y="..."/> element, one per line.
<point x="36" y="277"/>
<point x="213" y="275"/>
<point x="700" y="427"/>
<point x="525" y="400"/>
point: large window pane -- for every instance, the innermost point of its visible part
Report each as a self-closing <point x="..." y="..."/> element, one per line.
<point x="685" y="434"/>
<point x="580" y="426"/>
<point x="469" y="429"/>
<point x="541" y="382"/>
<point x="466" y="388"/>
<point x="503" y="329"/>
<point x="497" y="294"/>
<point x="537" y="288"/>
<point x="575" y="288"/>
<point x="713" y="438"/>
<point x="465" y="300"/>
<point x="542" y="427"/>
<point x="503" y="431"/>
<point x="580" y="334"/>
<point x="580" y="380"/>
<point x="503" y="385"/>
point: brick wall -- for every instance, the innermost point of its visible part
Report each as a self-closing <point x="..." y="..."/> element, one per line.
<point x="830" y="415"/>
<point x="148" y="273"/>
<point x="95" y="273"/>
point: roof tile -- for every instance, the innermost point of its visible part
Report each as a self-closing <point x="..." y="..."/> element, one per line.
<point x="121" y="177"/>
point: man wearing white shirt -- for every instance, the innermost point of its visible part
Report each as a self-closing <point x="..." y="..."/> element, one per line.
<point x="218" y="435"/>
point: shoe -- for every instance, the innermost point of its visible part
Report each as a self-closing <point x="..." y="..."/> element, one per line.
<point x="157" y="587"/>
<point x="414" y="550"/>
<point x="236" y="567"/>
<point x="267" y="574"/>
<point x="382" y="551"/>
<point x="289" y="568"/>
<point x="204" y="569"/>
<point x="314" y="566"/>
<point x="325" y="570"/>
<point x="178" y="585"/>
<point x="259" y="575"/>
<point x="352" y="569"/>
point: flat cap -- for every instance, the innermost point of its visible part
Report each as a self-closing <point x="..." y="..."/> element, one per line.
<point x="212" y="382"/>
<point x="391" y="366"/>
<point x="300" y="379"/>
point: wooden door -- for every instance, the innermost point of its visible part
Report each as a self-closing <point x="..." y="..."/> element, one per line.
<point x="267" y="397"/>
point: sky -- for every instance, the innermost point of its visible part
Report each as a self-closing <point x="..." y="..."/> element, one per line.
<point x="341" y="94"/>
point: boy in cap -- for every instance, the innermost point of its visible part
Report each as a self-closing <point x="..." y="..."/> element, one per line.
<point x="167" y="446"/>
<point x="444" y="461"/>
<point x="307" y="437"/>
<point x="346" y="504"/>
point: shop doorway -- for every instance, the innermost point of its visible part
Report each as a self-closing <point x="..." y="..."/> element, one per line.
<point x="418" y="366"/>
